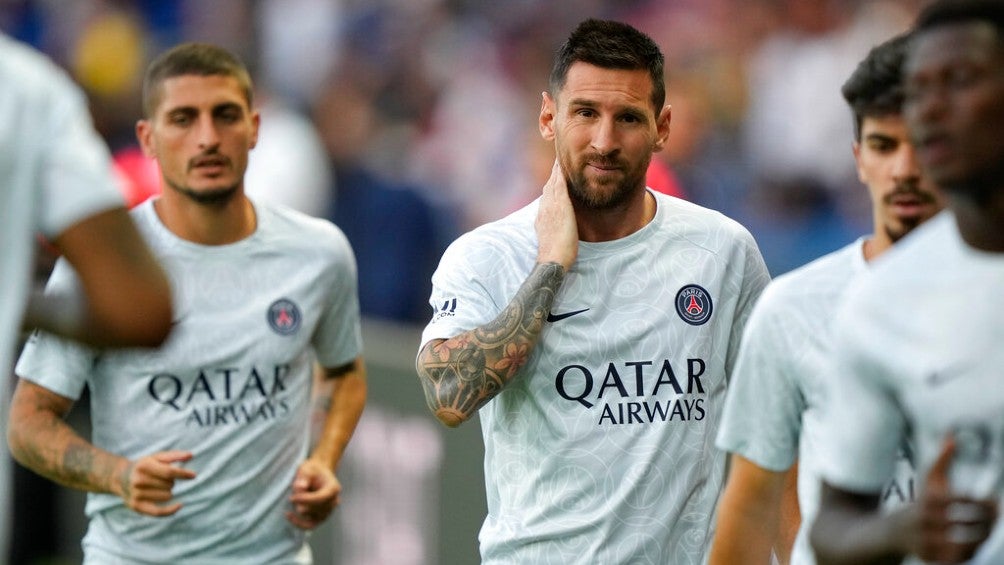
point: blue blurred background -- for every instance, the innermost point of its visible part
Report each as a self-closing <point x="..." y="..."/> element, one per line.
<point x="407" y="122"/>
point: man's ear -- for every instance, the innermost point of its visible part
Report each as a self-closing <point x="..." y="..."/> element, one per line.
<point x="548" y="108"/>
<point x="144" y="134"/>
<point x="662" y="127"/>
<point x="256" y="125"/>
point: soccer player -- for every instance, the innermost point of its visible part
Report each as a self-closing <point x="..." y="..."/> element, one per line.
<point x="771" y="412"/>
<point x="56" y="180"/>
<point x="199" y="451"/>
<point x="917" y="351"/>
<point x="594" y="331"/>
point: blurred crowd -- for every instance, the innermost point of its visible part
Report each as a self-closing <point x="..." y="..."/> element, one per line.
<point x="407" y="122"/>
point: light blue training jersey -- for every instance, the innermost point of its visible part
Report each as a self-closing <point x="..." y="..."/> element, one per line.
<point x="232" y="385"/>
<point x="602" y="448"/>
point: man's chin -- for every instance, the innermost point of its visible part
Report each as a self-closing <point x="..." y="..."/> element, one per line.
<point x="210" y="195"/>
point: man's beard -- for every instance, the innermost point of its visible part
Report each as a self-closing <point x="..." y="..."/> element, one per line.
<point x="578" y="189"/>
<point x="907" y="225"/>
<point x="210" y="197"/>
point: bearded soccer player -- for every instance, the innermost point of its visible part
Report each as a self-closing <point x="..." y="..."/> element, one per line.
<point x="594" y="331"/>
<point x="771" y="416"/>
<point x="917" y="353"/>
<point x="200" y="448"/>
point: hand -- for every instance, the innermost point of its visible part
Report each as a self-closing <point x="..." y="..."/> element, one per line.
<point x="316" y="493"/>
<point x="557" y="234"/>
<point x="949" y="528"/>
<point x="146" y="483"/>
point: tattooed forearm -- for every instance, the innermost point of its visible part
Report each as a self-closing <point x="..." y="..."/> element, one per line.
<point x="42" y="441"/>
<point x="461" y="374"/>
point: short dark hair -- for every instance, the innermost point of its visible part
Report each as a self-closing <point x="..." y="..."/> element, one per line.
<point x="945" y="12"/>
<point x="875" y="88"/>
<point x="610" y="45"/>
<point x="201" y="59"/>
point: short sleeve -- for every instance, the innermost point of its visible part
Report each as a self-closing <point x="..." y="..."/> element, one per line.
<point x="58" y="364"/>
<point x="460" y="297"/>
<point x="763" y="408"/>
<point x="338" y="339"/>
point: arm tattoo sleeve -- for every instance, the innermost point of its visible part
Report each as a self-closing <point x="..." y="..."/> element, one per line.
<point x="461" y="374"/>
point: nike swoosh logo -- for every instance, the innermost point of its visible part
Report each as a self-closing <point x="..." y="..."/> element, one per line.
<point x="558" y="317"/>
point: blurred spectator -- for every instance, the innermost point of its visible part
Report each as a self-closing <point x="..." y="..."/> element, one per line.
<point x="396" y="232"/>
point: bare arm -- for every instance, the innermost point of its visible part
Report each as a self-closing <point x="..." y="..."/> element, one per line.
<point x="748" y="515"/>
<point x="459" y="375"/>
<point x="127" y="292"/>
<point x="41" y="440"/>
<point x="940" y="527"/>
<point x="791" y="517"/>
<point x="347" y="399"/>
<point x="316" y="488"/>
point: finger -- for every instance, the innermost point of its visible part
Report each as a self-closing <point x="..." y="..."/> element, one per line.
<point x="174" y="456"/>
<point x="302" y="522"/>
<point x="937" y="476"/>
<point x="304" y="483"/>
<point x="554" y="179"/>
<point x="156" y="510"/>
<point x="163" y="478"/>
<point x="305" y="504"/>
<point x="320" y="496"/>
<point x="166" y="474"/>
<point x="153" y="495"/>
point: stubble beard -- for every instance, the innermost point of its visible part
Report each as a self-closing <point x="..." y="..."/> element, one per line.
<point x="906" y="225"/>
<point x="590" y="196"/>
<point x="209" y="197"/>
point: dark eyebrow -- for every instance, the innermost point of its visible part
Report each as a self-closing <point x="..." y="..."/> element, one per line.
<point x="879" y="137"/>
<point x="581" y="102"/>
<point x="228" y="106"/>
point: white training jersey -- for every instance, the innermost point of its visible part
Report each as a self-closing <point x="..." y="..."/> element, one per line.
<point x="54" y="171"/>
<point x="602" y="449"/>
<point x="232" y="385"/>
<point x="772" y="407"/>
<point x="918" y="356"/>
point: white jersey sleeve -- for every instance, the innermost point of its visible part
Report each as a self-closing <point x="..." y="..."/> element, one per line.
<point x="57" y="364"/>
<point x="464" y="295"/>
<point x="763" y="409"/>
<point x="338" y="339"/>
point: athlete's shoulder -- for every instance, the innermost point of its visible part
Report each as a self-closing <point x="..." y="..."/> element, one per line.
<point x="830" y="272"/>
<point x="293" y="223"/>
<point x="702" y="226"/>
<point x="513" y="233"/>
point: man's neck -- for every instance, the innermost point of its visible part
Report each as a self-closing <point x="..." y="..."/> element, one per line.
<point x="207" y="224"/>
<point x="610" y="225"/>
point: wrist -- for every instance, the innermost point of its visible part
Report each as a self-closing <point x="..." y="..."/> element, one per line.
<point x="119" y="483"/>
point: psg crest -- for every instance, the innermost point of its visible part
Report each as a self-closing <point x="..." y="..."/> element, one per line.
<point x="693" y="304"/>
<point x="284" y="317"/>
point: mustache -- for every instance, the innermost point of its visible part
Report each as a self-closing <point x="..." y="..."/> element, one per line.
<point x="604" y="160"/>
<point x="911" y="189"/>
<point x="209" y="158"/>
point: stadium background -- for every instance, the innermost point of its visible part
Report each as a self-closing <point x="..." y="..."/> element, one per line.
<point x="407" y="122"/>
